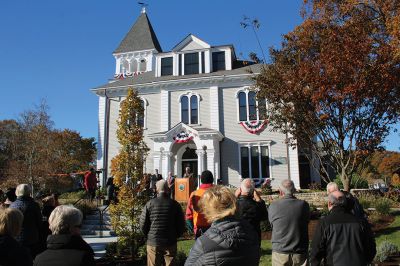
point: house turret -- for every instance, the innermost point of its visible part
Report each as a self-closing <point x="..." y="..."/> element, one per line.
<point x="135" y="53"/>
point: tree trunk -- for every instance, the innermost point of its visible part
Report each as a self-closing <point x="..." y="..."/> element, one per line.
<point x="346" y="183"/>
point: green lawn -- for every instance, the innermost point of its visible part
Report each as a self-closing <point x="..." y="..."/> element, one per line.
<point x="392" y="233"/>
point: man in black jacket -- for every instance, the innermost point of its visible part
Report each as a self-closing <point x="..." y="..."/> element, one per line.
<point x="250" y="205"/>
<point x="341" y="238"/>
<point x="162" y="222"/>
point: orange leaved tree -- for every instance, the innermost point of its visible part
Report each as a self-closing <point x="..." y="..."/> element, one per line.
<point x="127" y="169"/>
<point x="334" y="85"/>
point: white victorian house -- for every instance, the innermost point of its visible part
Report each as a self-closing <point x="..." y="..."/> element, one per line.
<point x="200" y="111"/>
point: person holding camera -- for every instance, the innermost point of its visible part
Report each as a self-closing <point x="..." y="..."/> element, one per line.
<point x="250" y="205"/>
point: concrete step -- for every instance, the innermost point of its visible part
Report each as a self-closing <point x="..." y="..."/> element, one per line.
<point x="104" y="233"/>
<point x="96" y="227"/>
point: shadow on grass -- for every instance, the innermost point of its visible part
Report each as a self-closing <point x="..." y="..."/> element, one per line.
<point x="266" y="252"/>
<point x="387" y="231"/>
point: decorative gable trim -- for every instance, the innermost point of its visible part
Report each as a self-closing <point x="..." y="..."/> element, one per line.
<point x="188" y="39"/>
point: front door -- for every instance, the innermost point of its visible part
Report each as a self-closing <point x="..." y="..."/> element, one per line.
<point x="189" y="159"/>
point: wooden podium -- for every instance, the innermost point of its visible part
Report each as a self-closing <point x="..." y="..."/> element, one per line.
<point x="183" y="188"/>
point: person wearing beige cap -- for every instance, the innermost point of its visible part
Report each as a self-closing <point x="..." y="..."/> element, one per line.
<point x="162" y="223"/>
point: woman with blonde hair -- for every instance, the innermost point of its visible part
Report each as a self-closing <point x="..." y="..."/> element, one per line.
<point x="229" y="241"/>
<point x="11" y="252"/>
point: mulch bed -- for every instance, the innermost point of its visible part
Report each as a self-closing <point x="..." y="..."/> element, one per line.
<point x="383" y="223"/>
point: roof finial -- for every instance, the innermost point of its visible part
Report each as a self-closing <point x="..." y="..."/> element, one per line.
<point x="143" y="5"/>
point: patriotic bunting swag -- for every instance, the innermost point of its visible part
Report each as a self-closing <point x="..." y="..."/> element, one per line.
<point x="127" y="75"/>
<point x="254" y="127"/>
<point x="183" y="137"/>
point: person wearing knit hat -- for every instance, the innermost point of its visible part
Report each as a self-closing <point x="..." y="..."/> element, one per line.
<point x="195" y="220"/>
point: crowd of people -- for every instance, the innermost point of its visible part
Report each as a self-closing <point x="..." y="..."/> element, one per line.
<point x="42" y="236"/>
<point x="225" y="225"/>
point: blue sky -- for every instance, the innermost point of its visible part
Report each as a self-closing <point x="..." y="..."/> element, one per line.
<point x="59" y="50"/>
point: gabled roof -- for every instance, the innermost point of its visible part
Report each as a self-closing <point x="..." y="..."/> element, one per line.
<point x="190" y="39"/>
<point x="201" y="132"/>
<point x="140" y="37"/>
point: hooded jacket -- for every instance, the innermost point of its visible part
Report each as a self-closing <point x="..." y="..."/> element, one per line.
<point x="227" y="242"/>
<point x="66" y="250"/>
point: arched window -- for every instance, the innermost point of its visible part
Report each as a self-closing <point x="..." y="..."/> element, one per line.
<point x="140" y="120"/>
<point x="133" y="66"/>
<point x="193" y="110"/>
<point x="185" y="109"/>
<point x="248" y="106"/>
<point x="242" y="106"/>
<point x="142" y="65"/>
<point x="124" y="66"/>
<point x="190" y="108"/>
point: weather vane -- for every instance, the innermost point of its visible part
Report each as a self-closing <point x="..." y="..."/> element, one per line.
<point x="143" y="5"/>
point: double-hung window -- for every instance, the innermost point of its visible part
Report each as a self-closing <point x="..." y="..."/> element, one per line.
<point x="255" y="161"/>
<point x="166" y="66"/>
<point x="218" y="61"/>
<point x="191" y="63"/>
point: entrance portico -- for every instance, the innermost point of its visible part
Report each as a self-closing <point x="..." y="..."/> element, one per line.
<point x="178" y="147"/>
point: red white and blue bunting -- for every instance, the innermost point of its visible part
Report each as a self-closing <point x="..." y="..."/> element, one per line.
<point x="254" y="127"/>
<point x="127" y="75"/>
<point x="183" y="137"/>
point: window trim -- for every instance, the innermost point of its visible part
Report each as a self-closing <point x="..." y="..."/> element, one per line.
<point x="246" y="90"/>
<point x="145" y="104"/>
<point x="249" y="145"/>
<point x="172" y="65"/>
<point x="189" y="95"/>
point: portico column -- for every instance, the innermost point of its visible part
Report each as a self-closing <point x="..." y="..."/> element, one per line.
<point x="200" y="161"/>
<point x="156" y="161"/>
<point x="211" y="162"/>
<point x="166" y="164"/>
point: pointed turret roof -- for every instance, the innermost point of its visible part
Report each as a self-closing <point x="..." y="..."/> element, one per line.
<point x="140" y="37"/>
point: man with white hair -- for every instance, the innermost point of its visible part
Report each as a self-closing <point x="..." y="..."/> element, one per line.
<point x="250" y="206"/>
<point x="32" y="224"/>
<point x="65" y="246"/>
<point x="352" y="203"/>
<point x="162" y="223"/>
<point x="341" y="238"/>
<point x="289" y="218"/>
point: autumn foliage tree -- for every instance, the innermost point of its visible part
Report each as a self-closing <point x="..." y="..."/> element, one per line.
<point x="32" y="151"/>
<point x="333" y="87"/>
<point x="127" y="169"/>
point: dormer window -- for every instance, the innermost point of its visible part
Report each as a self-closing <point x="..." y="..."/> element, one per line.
<point x="191" y="63"/>
<point x="218" y="61"/>
<point x="166" y="66"/>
